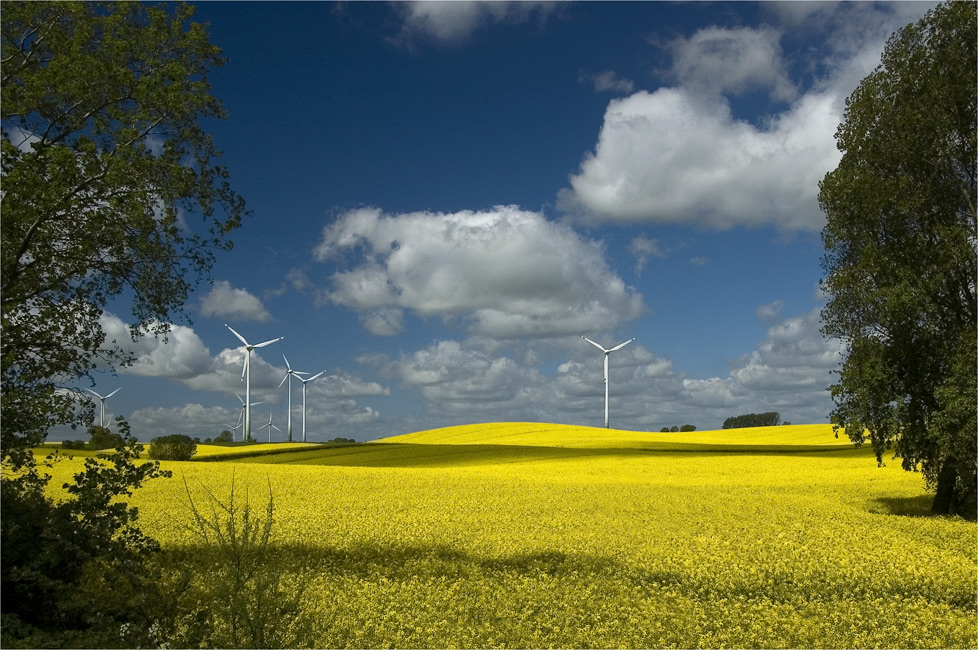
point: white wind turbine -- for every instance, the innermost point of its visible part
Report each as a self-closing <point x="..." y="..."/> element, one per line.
<point x="241" y="414"/>
<point x="270" y="427"/>
<point x="288" y="376"/>
<point x="246" y="376"/>
<point x="101" y="399"/>
<point x="606" y="353"/>
<point x="304" y="382"/>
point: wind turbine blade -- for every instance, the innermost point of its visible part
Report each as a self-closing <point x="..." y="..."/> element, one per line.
<point x="594" y="344"/>
<point x="261" y="345"/>
<point x="244" y="368"/>
<point x="113" y="392"/>
<point x="315" y="376"/>
<point x="275" y="427"/>
<point x="283" y="379"/>
<point x="618" y="347"/>
<point x="240" y="338"/>
<point x="256" y="403"/>
<point x="94" y="393"/>
<point x="287" y="363"/>
<point x="240" y="399"/>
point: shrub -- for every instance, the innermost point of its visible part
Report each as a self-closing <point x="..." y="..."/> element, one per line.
<point x="173" y="447"/>
<point x="102" y="438"/>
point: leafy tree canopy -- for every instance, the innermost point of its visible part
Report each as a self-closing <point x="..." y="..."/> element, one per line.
<point x="109" y="188"/>
<point x="900" y="260"/>
<point x="770" y="419"/>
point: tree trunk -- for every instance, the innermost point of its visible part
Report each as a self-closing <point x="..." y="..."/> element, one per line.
<point x="945" y="501"/>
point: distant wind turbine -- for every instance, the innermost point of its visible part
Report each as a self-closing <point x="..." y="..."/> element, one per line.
<point x="270" y="427"/>
<point x="246" y="376"/>
<point x="304" y="382"/>
<point x="288" y="376"/>
<point x="101" y="399"/>
<point x="606" y="353"/>
<point x="241" y="415"/>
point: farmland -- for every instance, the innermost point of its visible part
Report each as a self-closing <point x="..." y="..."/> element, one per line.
<point x="529" y="535"/>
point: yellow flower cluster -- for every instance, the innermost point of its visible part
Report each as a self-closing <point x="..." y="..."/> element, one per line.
<point x="530" y="535"/>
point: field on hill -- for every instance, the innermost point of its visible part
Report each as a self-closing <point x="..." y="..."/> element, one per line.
<point x="529" y="535"/>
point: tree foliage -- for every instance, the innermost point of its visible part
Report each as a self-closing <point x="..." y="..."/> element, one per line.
<point x="769" y="419"/>
<point x="104" y="165"/>
<point x="173" y="447"/>
<point x="900" y="260"/>
<point x="47" y="545"/>
<point x="111" y="195"/>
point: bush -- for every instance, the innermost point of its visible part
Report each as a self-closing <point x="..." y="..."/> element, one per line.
<point x="341" y="440"/>
<point x="687" y="427"/>
<point x="73" y="444"/>
<point x="172" y="447"/>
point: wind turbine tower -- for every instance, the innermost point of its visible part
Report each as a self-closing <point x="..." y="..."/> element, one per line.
<point x="241" y="415"/>
<point x="304" y="382"/>
<point x="606" y="353"/>
<point x="101" y="399"/>
<point x="270" y="427"/>
<point x="246" y="376"/>
<point x="288" y="376"/>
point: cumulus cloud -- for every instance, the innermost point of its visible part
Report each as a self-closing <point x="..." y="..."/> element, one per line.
<point x="181" y="356"/>
<point x="457" y="382"/>
<point x="192" y="420"/>
<point x="678" y="155"/>
<point x="455" y="21"/>
<point x="643" y="248"/>
<point x="607" y="81"/>
<point x="672" y="157"/>
<point x="506" y="273"/>
<point x="224" y="301"/>
<point x="718" y="61"/>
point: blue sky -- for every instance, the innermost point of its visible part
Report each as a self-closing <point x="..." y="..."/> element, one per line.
<point x="446" y="196"/>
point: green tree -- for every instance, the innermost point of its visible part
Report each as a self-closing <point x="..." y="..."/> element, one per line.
<point x="110" y="191"/>
<point x="900" y="260"/>
<point x="173" y="447"/>
<point x="102" y="438"/>
<point x="104" y="168"/>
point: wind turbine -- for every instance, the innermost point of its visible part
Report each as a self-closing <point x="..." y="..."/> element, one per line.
<point x="246" y="376"/>
<point x="288" y="376"/>
<point x="101" y="399"/>
<point x="241" y="415"/>
<point x="606" y="353"/>
<point x="270" y="427"/>
<point x="304" y="382"/>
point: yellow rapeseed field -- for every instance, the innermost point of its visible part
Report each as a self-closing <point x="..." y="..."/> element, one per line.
<point x="531" y="535"/>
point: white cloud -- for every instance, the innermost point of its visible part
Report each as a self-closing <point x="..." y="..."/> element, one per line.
<point x="770" y="312"/>
<point x="678" y="155"/>
<point x="455" y="21"/>
<point x="643" y="248"/>
<point x="718" y="61"/>
<point x="788" y="371"/>
<point x="224" y="301"/>
<point x="672" y="157"/>
<point x="180" y="355"/>
<point x="607" y="81"/>
<point x="192" y="420"/>
<point x="506" y="273"/>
